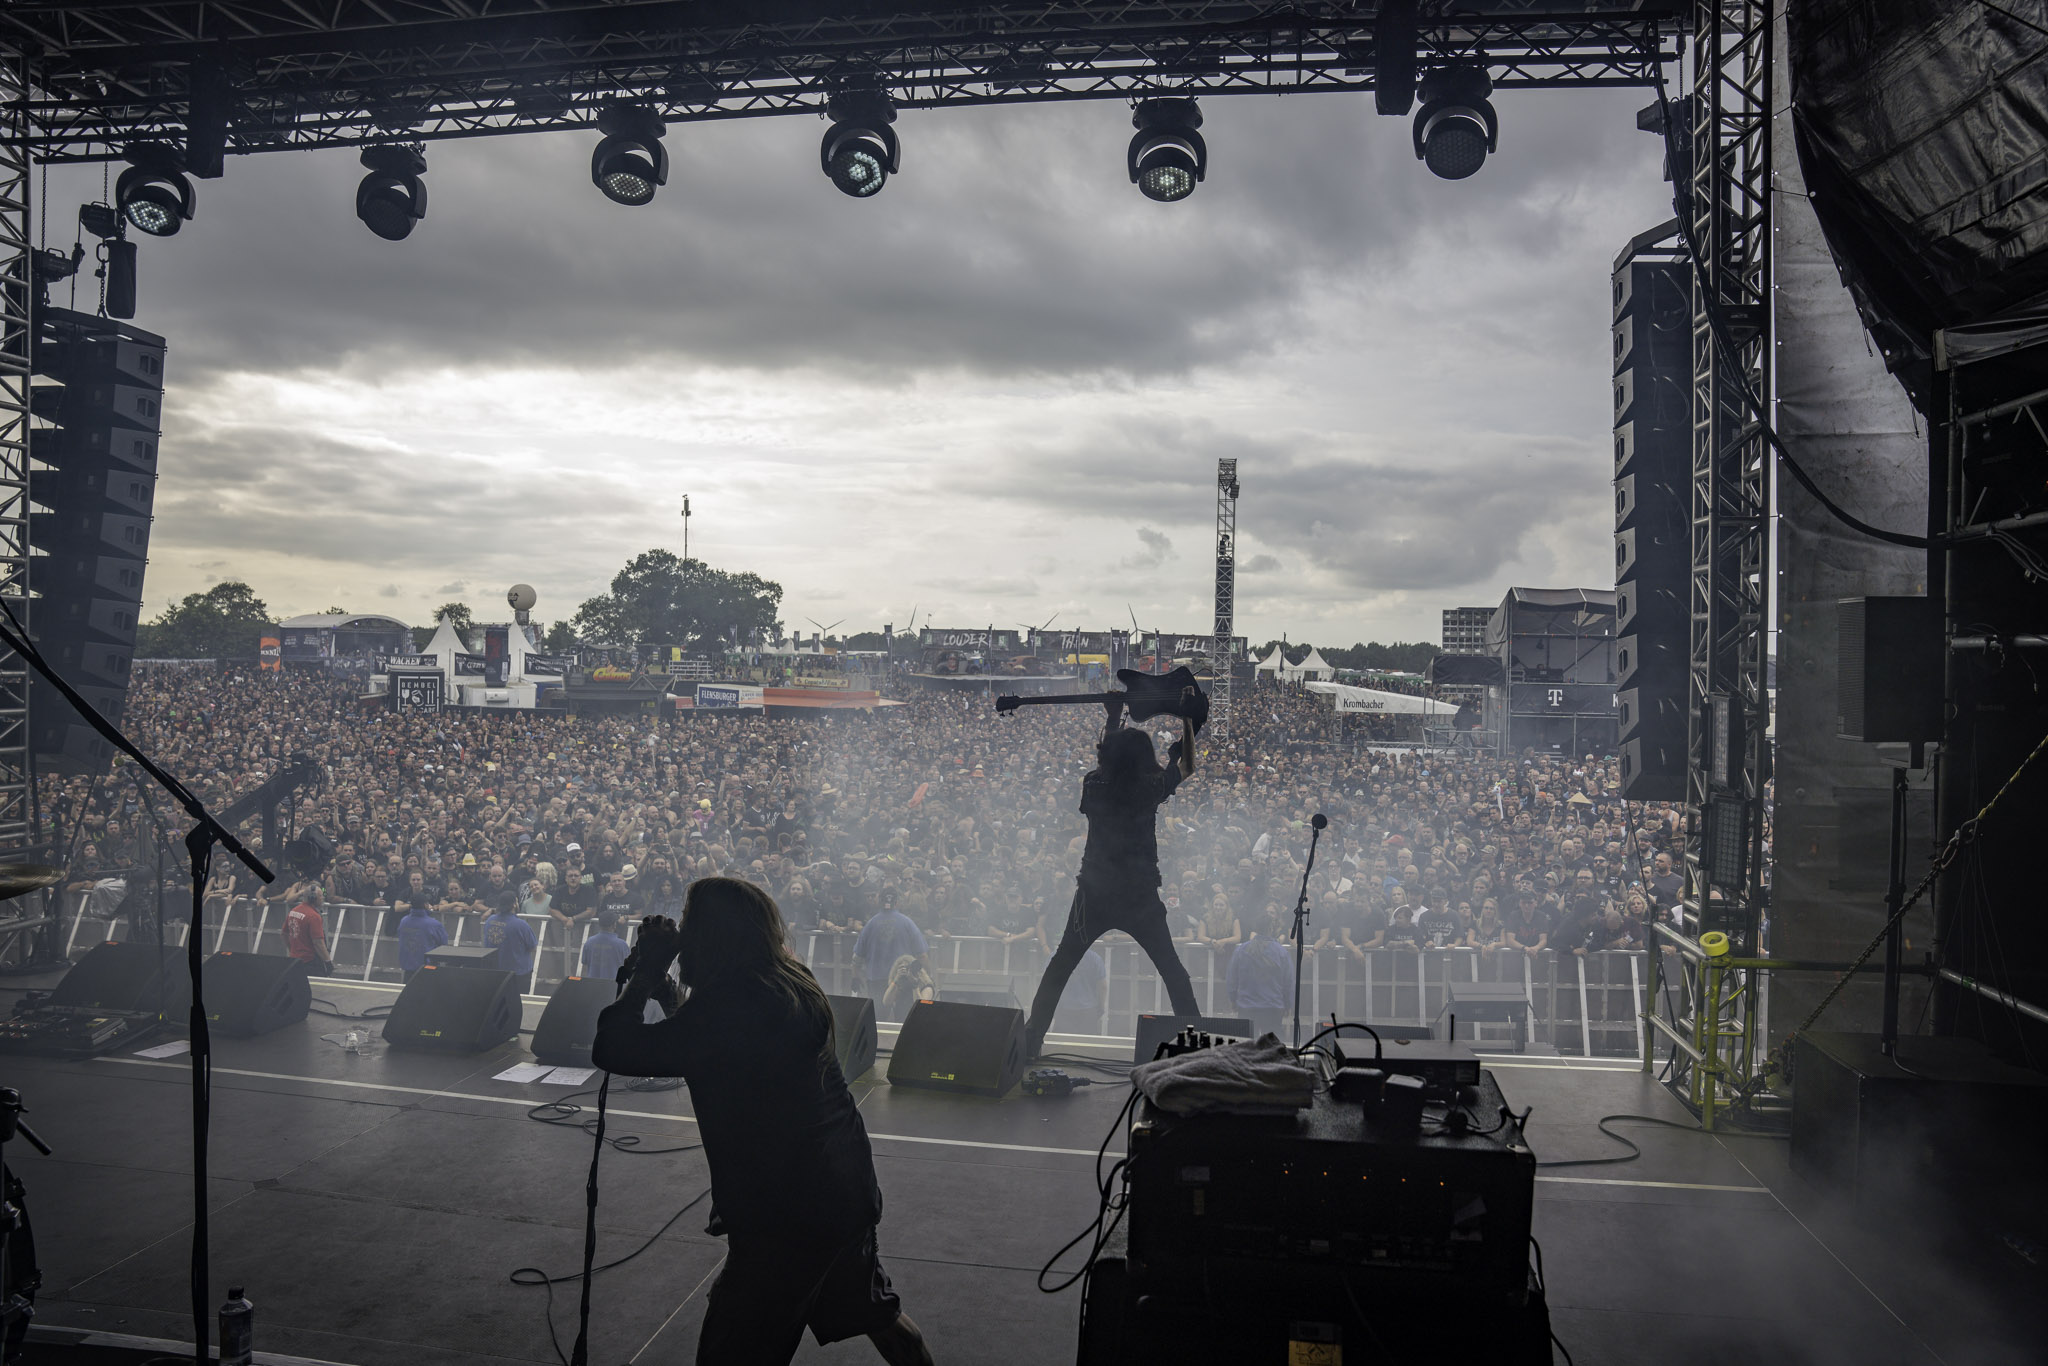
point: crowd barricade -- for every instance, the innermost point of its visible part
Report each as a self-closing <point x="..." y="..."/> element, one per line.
<point x="1580" y="1004"/>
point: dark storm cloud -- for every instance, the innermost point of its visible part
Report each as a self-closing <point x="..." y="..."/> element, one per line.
<point x="1010" y="244"/>
<point x="1368" y="523"/>
<point x="1156" y="548"/>
<point x="257" y="489"/>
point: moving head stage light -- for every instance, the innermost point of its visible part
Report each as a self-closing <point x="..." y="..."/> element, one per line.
<point x="1167" y="158"/>
<point x="1456" y="127"/>
<point x="392" y="196"/>
<point x="153" y="194"/>
<point x="630" y="164"/>
<point x="860" y="150"/>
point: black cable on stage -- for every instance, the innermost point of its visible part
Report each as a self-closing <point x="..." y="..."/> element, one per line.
<point x="533" y="1275"/>
<point x="1635" y="1152"/>
<point x="564" y="1114"/>
<point x="1102" y="1225"/>
<point x="376" y="1012"/>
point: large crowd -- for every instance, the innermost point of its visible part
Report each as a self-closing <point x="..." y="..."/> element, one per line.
<point x="963" y="821"/>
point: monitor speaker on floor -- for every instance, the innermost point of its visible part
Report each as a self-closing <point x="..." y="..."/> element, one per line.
<point x="128" y="977"/>
<point x="454" y="1010"/>
<point x="568" y="1026"/>
<point x="948" y="1046"/>
<point x="853" y="1034"/>
<point x="254" y="993"/>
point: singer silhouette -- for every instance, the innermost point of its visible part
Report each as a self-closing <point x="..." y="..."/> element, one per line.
<point x="1118" y="886"/>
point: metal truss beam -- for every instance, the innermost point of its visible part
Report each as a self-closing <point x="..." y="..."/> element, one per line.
<point x="1221" y="662"/>
<point x="115" y="73"/>
<point x="1729" y="212"/>
<point x="17" y="829"/>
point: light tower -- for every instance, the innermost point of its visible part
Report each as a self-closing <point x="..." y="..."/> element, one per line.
<point x="1226" y="597"/>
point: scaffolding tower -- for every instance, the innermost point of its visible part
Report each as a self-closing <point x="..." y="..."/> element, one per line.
<point x="1220" y="662"/>
<point x="17" y="299"/>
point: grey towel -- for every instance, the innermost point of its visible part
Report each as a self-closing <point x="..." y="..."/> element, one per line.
<point x="1258" y="1078"/>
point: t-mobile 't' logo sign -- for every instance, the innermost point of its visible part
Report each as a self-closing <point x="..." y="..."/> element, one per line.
<point x="1557" y="697"/>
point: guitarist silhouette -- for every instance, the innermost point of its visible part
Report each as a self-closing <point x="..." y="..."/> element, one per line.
<point x="1118" y="886"/>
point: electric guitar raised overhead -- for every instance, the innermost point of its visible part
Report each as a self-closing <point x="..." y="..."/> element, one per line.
<point x="1143" y="695"/>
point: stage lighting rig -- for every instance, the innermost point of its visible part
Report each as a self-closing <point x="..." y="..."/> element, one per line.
<point x="1167" y="158"/>
<point x="630" y="164"/>
<point x="1456" y="127"/>
<point x="116" y="256"/>
<point x="392" y="197"/>
<point x="153" y="193"/>
<point x="860" y="150"/>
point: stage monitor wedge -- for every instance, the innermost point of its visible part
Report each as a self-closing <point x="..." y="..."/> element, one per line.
<point x="454" y="1010"/>
<point x="949" y="1046"/>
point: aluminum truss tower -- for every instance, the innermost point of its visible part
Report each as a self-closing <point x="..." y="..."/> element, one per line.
<point x="1220" y="661"/>
<point x="1728" y="221"/>
<point x="17" y="297"/>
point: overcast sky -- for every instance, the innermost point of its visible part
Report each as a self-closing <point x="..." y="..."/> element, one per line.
<point x="996" y="392"/>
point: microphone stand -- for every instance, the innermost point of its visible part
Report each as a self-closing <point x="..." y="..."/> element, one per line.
<point x="1315" y="832"/>
<point x="205" y="833"/>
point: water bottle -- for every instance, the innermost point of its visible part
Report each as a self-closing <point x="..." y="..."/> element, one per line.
<point x="237" y="1329"/>
<point x="353" y="1041"/>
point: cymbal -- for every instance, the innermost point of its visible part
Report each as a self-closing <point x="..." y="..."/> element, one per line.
<point x="19" y="878"/>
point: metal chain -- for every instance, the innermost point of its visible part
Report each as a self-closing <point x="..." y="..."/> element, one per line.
<point x="1965" y="834"/>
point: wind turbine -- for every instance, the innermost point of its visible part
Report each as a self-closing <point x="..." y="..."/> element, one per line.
<point x="822" y="629"/>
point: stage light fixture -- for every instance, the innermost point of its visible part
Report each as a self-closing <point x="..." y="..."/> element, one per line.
<point x="1167" y="158"/>
<point x="630" y="164"/>
<point x="860" y="150"/>
<point x="392" y="197"/>
<point x="153" y="193"/>
<point x="1455" y="127"/>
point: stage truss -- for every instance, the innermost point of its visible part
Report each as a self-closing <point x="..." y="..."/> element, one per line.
<point x="1222" y="660"/>
<point x="289" y="75"/>
<point x="275" y="75"/>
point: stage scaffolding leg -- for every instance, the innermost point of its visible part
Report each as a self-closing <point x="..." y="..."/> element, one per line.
<point x="17" y="294"/>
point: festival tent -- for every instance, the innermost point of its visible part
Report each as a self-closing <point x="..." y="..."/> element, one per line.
<point x="1373" y="702"/>
<point x="1314" y="667"/>
<point x="445" y="645"/>
<point x="1275" y="663"/>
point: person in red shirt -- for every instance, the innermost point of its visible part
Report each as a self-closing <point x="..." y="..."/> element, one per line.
<point x="305" y="933"/>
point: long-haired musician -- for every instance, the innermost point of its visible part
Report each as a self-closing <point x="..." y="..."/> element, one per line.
<point x="1118" y="888"/>
<point x="792" y="1176"/>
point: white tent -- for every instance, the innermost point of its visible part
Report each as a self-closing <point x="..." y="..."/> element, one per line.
<point x="445" y="645"/>
<point x="1315" y="667"/>
<point x="1275" y="663"/>
<point x="1351" y="701"/>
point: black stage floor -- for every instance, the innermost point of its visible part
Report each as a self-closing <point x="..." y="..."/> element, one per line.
<point x="374" y="1205"/>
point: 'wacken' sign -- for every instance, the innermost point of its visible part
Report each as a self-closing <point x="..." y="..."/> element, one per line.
<point x="418" y="694"/>
<point x="388" y="662"/>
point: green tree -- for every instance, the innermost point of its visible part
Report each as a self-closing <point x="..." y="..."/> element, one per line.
<point x="225" y="621"/>
<point x="659" y="599"/>
<point x="560" y="639"/>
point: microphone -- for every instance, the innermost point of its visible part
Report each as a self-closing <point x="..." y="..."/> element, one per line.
<point x="1321" y="822"/>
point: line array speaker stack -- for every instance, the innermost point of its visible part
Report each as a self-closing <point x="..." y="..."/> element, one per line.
<point x="1652" y="518"/>
<point x="93" y="487"/>
<point x="950" y="1046"/>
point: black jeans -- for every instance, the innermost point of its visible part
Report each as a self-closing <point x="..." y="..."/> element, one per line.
<point x="1143" y="919"/>
<point x="771" y="1289"/>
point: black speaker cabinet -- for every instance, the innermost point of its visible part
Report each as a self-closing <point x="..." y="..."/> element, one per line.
<point x="1154" y="1030"/>
<point x="128" y="977"/>
<point x="454" y="1010"/>
<point x="254" y="993"/>
<point x="948" y="1046"/>
<point x="1955" y="1130"/>
<point x="568" y="1026"/>
<point x="853" y="1034"/>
